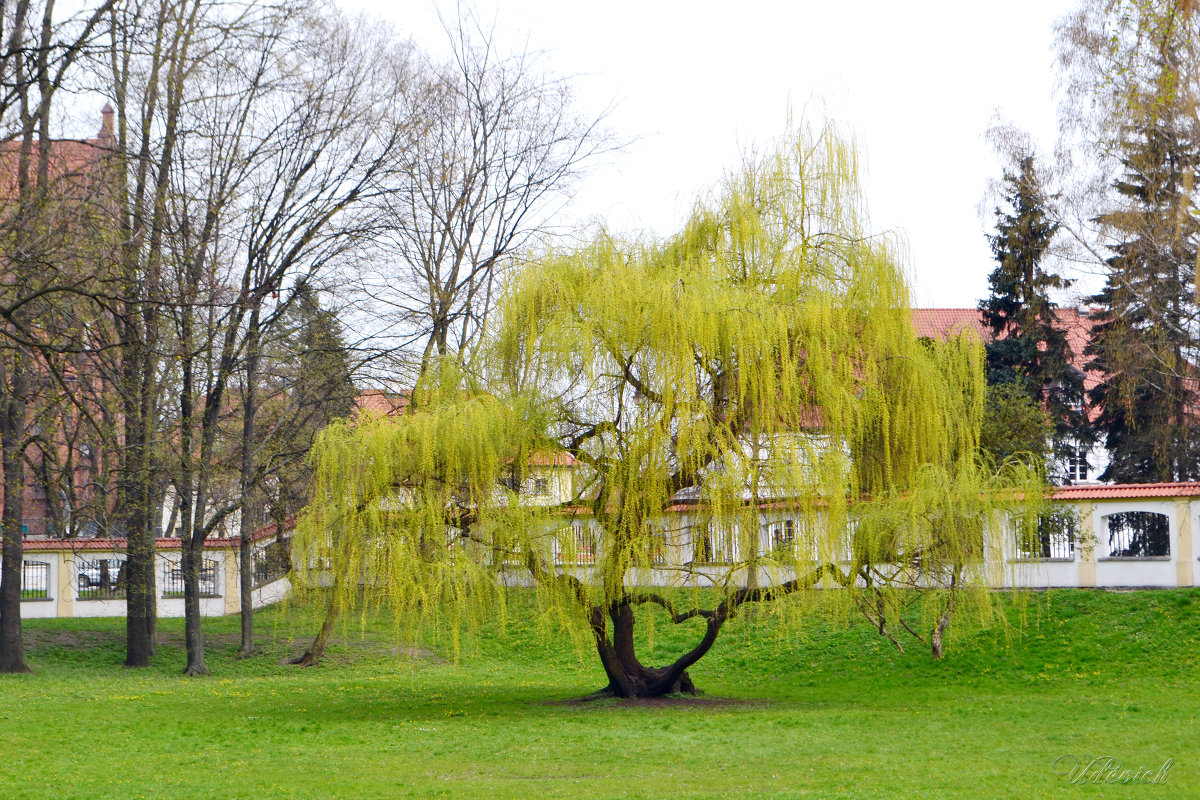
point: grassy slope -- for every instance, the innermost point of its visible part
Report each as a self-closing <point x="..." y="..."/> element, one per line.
<point x="834" y="713"/>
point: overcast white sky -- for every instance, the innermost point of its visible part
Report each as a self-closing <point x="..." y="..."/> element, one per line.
<point x="697" y="82"/>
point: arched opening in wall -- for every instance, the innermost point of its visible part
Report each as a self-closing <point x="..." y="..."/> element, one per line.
<point x="1138" y="534"/>
<point x="713" y="544"/>
<point x="35" y="580"/>
<point x="1051" y="537"/>
<point x="173" y="579"/>
<point x="575" y="544"/>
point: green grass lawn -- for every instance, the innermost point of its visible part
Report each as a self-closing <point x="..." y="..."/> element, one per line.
<point x="833" y="712"/>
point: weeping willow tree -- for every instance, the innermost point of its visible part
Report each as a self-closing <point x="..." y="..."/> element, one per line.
<point x="751" y="417"/>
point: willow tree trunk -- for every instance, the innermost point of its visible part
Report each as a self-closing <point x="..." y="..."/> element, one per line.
<point x="312" y="656"/>
<point x="627" y="676"/>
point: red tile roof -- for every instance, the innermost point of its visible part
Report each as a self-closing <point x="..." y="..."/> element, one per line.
<point x="556" y="459"/>
<point x="118" y="544"/>
<point x="941" y="323"/>
<point x="385" y="404"/>
<point x="1132" y="491"/>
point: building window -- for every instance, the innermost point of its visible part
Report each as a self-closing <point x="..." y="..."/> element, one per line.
<point x="1138" y="534"/>
<point x="783" y="538"/>
<point x="1077" y="465"/>
<point x="541" y="487"/>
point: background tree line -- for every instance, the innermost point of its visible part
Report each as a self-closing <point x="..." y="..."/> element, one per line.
<point x="1118" y="200"/>
<point x="281" y="201"/>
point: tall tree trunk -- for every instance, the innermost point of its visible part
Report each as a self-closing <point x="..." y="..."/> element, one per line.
<point x="245" y="554"/>
<point x="191" y="488"/>
<point x="12" y="429"/>
<point x="134" y="495"/>
<point x="192" y="561"/>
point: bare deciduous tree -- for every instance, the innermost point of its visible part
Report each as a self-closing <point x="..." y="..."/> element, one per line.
<point x="496" y="143"/>
<point x="38" y="50"/>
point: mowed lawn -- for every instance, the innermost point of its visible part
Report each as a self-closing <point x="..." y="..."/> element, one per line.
<point x="831" y="712"/>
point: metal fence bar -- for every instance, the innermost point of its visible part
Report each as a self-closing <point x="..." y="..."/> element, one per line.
<point x="270" y="564"/>
<point x="1052" y="538"/>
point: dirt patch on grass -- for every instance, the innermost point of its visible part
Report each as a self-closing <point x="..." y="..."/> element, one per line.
<point x="41" y="639"/>
<point x="341" y="651"/>
<point x="681" y="701"/>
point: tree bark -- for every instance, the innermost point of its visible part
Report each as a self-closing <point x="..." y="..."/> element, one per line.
<point x="134" y="496"/>
<point x="935" y="636"/>
<point x="12" y="427"/>
<point x="312" y="656"/>
<point x="627" y="676"/>
<point x="192" y="559"/>
<point x="245" y="554"/>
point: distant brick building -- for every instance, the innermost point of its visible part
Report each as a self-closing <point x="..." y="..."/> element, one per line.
<point x="68" y="469"/>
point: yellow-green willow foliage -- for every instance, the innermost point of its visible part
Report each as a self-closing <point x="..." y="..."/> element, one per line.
<point x="758" y="366"/>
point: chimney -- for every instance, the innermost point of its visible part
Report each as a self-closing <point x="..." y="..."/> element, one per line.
<point x="106" y="123"/>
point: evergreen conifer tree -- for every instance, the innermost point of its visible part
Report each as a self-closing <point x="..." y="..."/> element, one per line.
<point x="1029" y="347"/>
<point x="1132" y="78"/>
<point x="1148" y="398"/>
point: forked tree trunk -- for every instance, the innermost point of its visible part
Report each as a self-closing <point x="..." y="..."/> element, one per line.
<point x="939" y="628"/>
<point x="627" y="676"/>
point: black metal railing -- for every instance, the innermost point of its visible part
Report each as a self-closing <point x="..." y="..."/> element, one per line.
<point x="271" y="563"/>
<point x="100" y="579"/>
<point x="35" y="580"/>
<point x="1053" y="536"/>
<point x="1138" y="534"/>
<point x="173" y="579"/>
